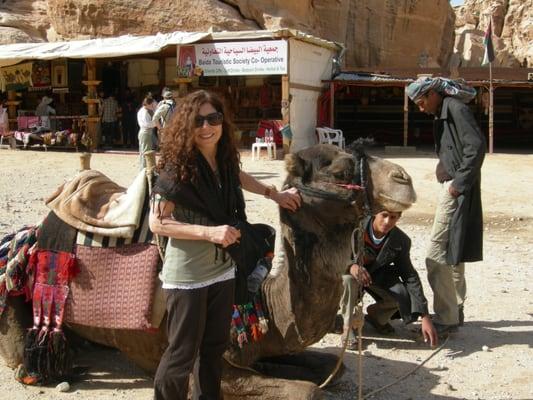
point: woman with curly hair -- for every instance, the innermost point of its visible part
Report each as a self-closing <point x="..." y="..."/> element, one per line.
<point x="198" y="204"/>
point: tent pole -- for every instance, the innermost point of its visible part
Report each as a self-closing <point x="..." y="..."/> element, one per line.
<point x="405" y="115"/>
<point x="331" y="104"/>
<point x="491" y="111"/>
<point x="92" y="103"/>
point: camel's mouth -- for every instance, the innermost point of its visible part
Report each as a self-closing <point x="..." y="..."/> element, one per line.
<point x="398" y="204"/>
<point x="344" y="186"/>
<point x="350" y="186"/>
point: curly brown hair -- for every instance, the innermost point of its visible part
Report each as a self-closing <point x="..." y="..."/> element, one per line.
<point x="178" y="150"/>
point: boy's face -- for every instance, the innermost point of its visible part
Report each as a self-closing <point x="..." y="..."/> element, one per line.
<point x="384" y="221"/>
<point x="429" y="103"/>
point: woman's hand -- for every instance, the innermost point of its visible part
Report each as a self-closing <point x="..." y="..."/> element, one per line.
<point x="289" y="199"/>
<point x="361" y="275"/>
<point x="429" y="332"/>
<point x="224" y="235"/>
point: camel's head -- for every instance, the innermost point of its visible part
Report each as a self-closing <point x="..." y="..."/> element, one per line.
<point x="329" y="182"/>
<point x="390" y="187"/>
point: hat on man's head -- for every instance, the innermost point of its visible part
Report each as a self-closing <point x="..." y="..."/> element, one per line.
<point x="420" y="87"/>
<point x="456" y="88"/>
<point x="167" y="94"/>
<point x="46" y="100"/>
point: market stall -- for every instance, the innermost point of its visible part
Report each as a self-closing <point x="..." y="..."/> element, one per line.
<point x="265" y="76"/>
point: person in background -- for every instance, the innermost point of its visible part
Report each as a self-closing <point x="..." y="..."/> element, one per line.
<point x="457" y="233"/>
<point x="146" y="128"/>
<point x="164" y="109"/>
<point x="4" y="118"/>
<point x="129" y="126"/>
<point x="44" y="110"/>
<point x="388" y="275"/>
<point x="109" y="115"/>
<point x="198" y="186"/>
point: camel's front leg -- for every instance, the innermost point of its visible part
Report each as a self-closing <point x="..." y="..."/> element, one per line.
<point x="242" y="384"/>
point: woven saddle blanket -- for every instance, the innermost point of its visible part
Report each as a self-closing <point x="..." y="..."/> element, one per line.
<point x="116" y="287"/>
<point x="91" y="202"/>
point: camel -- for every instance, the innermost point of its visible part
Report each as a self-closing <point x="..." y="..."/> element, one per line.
<point x="301" y="299"/>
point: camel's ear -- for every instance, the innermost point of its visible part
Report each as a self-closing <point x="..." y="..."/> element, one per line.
<point x="298" y="167"/>
<point x="294" y="165"/>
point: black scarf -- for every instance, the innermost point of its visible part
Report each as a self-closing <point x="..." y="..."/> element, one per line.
<point x="222" y="201"/>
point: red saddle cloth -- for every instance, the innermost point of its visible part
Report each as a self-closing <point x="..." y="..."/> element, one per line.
<point x="114" y="287"/>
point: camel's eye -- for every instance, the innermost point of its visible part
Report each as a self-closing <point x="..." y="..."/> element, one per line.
<point x="324" y="163"/>
<point x="341" y="175"/>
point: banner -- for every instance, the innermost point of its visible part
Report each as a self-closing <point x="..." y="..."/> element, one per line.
<point x="186" y="61"/>
<point x="41" y="73"/>
<point x="241" y="58"/>
<point x="59" y="73"/>
<point x="17" y="77"/>
<point x="488" y="57"/>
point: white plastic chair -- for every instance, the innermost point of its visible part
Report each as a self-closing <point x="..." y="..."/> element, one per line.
<point x="330" y="136"/>
<point x="265" y="143"/>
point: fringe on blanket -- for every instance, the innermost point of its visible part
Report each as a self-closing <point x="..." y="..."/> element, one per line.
<point x="46" y="354"/>
<point x="248" y="322"/>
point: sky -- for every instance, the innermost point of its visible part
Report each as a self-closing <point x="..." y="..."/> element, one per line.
<point x="456" y="2"/>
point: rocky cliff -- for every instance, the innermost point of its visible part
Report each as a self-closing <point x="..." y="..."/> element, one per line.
<point x="398" y="33"/>
<point x="512" y="32"/>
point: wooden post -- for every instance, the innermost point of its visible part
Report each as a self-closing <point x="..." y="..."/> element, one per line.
<point x="149" y="158"/>
<point x="491" y="111"/>
<point x="285" y="110"/>
<point x="92" y="103"/>
<point x="405" y="115"/>
<point x="183" y="86"/>
<point x="85" y="161"/>
<point x="285" y="100"/>
<point x="332" y="104"/>
<point x="12" y="104"/>
<point x="162" y="73"/>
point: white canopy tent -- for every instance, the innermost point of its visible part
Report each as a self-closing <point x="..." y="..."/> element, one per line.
<point x="127" y="45"/>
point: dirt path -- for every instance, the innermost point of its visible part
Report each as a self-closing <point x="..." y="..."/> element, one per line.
<point x="499" y="309"/>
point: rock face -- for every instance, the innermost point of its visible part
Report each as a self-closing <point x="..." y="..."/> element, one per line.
<point x="376" y="34"/>
<point x="72" y="18"/>
<point x="399" y="33"/>
<point x="23" y="21"/>
<point x="512" y="28"/>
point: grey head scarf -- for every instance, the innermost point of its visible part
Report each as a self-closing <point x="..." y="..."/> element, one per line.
<point x="447" y="87"/>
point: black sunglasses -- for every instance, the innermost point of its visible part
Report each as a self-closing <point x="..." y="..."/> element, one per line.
<point x="213" y="119"/>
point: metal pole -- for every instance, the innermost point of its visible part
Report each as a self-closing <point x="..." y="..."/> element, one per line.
<point x="491" y="111"/>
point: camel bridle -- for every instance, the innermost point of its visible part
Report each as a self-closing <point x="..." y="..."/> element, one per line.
<point x="355" y="186"/>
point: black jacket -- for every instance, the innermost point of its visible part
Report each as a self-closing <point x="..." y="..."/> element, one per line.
<point x="461" y="150"/>
<point x="393" y="271"/>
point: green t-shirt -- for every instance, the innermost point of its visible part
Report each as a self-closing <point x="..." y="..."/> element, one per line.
<point x="193" y="261"/>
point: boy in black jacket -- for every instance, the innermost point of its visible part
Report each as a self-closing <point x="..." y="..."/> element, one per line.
<point x="390" y="278"/>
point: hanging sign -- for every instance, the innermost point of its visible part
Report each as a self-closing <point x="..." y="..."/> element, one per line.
<point x="240" y="58"/>
<point x="17" y="77"/>
<point x="186" y="61"/>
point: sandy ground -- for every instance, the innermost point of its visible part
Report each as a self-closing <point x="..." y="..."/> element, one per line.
<point x="499" y="309"/>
